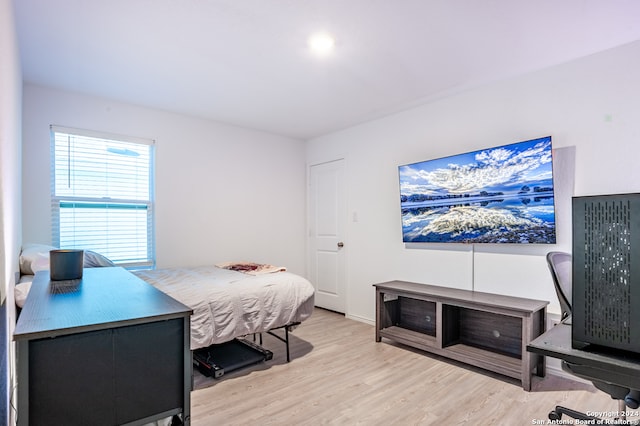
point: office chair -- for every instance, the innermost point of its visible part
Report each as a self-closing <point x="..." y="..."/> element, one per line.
<point x="561" y="267"/>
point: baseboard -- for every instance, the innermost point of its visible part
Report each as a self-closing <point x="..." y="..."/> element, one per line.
<point x="360" y="319"/>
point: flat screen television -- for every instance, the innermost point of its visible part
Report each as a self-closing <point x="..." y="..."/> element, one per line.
<point x="496" y="195"/>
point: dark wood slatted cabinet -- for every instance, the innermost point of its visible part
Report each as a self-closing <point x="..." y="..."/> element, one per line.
<point x="489" y="331"/>
<point x="107" y="349"/>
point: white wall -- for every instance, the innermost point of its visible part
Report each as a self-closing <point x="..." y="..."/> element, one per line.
<point x="591" y="108"/>
<point x="10" y="214"/>
<point x="10" y="151"/>
<point x="222" y="193"/>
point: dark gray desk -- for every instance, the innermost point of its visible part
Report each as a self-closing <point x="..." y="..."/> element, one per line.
<point x="108" y="349"/>
<point x="616" y="367"/>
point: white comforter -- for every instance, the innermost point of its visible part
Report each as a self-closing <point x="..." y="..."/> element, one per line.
<point x="228" y="304"/>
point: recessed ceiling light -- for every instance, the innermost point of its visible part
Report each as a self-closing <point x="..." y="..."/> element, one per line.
<point x="321" y="43"/>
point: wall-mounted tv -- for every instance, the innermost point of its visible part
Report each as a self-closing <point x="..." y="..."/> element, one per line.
<point x="496" y="195"/>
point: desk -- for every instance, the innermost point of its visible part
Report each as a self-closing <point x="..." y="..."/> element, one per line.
<point x="108" y="349"/>
<point x="620" y="368"/>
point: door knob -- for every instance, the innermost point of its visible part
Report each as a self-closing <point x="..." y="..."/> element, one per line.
<point x="340" y="244"/>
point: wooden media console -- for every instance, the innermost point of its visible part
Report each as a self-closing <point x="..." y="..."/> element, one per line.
<point x="489" y="331"/>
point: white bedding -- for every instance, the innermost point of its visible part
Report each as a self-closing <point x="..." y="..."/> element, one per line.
<point x="228" y="304"/>
<point x="22" y="289"/>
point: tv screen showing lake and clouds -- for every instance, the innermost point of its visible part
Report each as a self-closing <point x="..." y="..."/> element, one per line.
<point x="497" y="195"/>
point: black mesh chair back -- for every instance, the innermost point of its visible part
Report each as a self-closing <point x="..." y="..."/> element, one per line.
<point x="561" y="271"/>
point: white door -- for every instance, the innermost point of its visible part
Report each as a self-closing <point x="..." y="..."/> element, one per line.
<point x="327" y="216"/>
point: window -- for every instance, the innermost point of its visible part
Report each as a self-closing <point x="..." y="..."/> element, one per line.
<point x="102" y="195"/>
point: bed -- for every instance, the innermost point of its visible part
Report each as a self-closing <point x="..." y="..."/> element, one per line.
<point x="230" y="303"/>
<point x="229" y="300"/>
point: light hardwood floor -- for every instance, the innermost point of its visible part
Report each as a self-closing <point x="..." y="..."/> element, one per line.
<point x="339" y="375"/>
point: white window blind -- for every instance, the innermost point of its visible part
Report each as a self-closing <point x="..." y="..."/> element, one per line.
<point x="102" y="195"/>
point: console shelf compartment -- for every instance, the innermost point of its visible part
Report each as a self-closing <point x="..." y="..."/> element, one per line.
<point x="488" y="331"/>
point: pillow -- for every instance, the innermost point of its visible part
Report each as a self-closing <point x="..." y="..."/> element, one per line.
<point x="34" y="258"/>
<point x="95" y="260"/>
<point x="21" y="290"/>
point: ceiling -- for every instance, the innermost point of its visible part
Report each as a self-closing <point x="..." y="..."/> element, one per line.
<point x="246" y="62"/>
